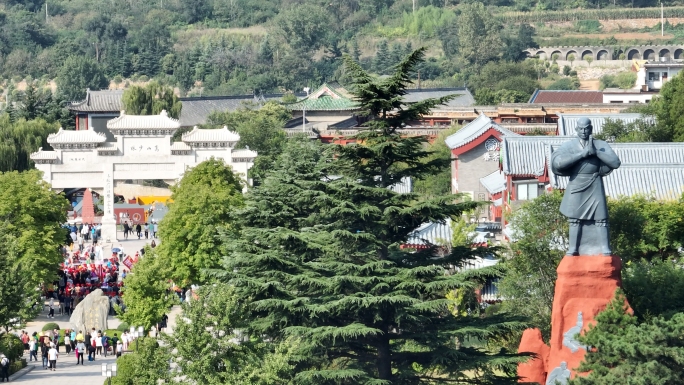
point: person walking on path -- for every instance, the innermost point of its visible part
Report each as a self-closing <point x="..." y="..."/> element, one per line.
<point x="4" y="368"/>
<point x="51" y="313"/>
<point x="80" y="350"/>
<point x="67" y="341"/>
<point x="52" y="356"/>
<point x="105" y="340"/>
<point x="55" y="339"/>
<point x="44" y="353"/>
<point x="33" y="350"/>
<point x="98" y="344"/>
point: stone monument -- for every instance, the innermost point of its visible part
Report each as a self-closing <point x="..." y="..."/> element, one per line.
<point x="589" y="274"/>
<point x="91" y="312"/>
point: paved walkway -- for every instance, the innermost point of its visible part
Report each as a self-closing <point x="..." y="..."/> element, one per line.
<point x="90" y="373"/>
<point x="67" y="373"/>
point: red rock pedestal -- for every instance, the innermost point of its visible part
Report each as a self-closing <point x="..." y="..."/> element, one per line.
<point x="585" y="285"/>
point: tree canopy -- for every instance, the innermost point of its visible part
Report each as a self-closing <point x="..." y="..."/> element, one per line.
<point x="151" y="100"/>
<point x="203" y="204"/>
<point x="33" y="216"/>
<point x="78" y="74"/>
<point x="319" y="258"/>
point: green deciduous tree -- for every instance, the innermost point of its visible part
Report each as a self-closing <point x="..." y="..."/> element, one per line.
<point x="642" y="227"/>
<point x="653" y="287"/>
<point x="146" y="291"/>
<point x="668" y="106"/>
<point x="479" y="41"/>
<point x="33" y="216"/>
<point x="260" y="129"/>
<point x="626" y="352"/>
<point x="19" y="293"/>
<point x="539" y="242"/>
<point x="440" y="183"/>
<point x="203" y="202"/>
<point x="319" y="259"/>
<point x="151" y="100"/>
<point x="19" y="139"/>
<point x="211" y="348"/>
<point x="148" y="365"/>
<point x="305" y="27"/>
<point x="78" y="74"/>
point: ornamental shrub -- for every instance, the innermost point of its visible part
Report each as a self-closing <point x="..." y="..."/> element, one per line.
<point x="123" y="327"/>
<point x="50" y="326"/>
<point x="12" y="346"/>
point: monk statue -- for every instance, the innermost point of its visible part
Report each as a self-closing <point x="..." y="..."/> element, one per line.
<point x="586" y="161"/>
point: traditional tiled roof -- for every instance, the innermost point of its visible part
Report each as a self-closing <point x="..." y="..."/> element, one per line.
<point x="82" y="137"/>
<point x="99" y="101"/>
<point x="198" y="135"/>
<point x="568" y="122"/>
<point x="328" y="97"/>
<point x="403" y="187"/>
<point x="526" y="155"/>
<point x="180" y="146"/>
<point x="44" y="155"/>
<point x="143" y="122"/>
<point x="243" y="153"/>
<point x="196" y="111"/>
<point x="108" y="149"/>
<point x="651" y="169"/>
<point x="657" y="181"/>
<point x="474" y="130"/>
<point x="435" y="233"/>
<point x="463" y="96"/>
<point x="572" y="97"/>
<point x="494" y="182"/>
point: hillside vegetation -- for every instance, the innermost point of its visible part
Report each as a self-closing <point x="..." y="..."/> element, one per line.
<point x="223" y="47"/>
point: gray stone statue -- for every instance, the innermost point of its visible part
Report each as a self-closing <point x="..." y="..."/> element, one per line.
<point x="570" y="336"/>
<point x="586" y="161"/>
<point x="559" y="375"/>
<point x="91" y="312"/>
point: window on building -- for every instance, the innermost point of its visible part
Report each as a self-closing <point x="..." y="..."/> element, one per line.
<point x="664" y="76"/>
<point x="527" y="191"/>
<point x="654" y="76"/>
<point x="509" y="120"/>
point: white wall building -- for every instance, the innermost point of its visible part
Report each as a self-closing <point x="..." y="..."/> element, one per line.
<point x="142" y="150"/>
<point x="651" y="76"/>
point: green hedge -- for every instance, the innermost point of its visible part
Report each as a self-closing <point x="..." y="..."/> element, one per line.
<point x="17" y="366"/>
<point x="12" y="346"/>
<point x="50" y="326"/>
<point x="123" y="327"/>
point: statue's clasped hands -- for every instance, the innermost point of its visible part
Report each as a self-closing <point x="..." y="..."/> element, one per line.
<point x="589" y="149"/>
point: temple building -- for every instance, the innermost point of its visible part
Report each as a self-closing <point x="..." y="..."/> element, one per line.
<point x="141" y="150"/>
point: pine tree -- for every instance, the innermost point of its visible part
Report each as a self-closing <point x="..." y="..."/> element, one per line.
<point x="31" y="104"/>
<point x="319" y="258"/>
<point x="355" y="51"/>
<point x="626" y="352"/>
<point x="382" y="58"/>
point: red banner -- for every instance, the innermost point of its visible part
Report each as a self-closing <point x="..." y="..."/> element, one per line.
<point x="128" y="262"/>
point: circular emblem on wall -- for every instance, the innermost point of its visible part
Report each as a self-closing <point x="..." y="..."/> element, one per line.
<point x="491" y="144"/>
<point x="137" y="217"/>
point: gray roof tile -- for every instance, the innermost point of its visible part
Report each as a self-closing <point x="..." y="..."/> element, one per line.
<point x="494" y="182"/>
<point x="99" y="101"/>
<point x="526" y="155"/>
<point x="568" y="122"/>
<point x="473" y="130"/>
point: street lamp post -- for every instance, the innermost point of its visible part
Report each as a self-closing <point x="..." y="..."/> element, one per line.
<point x="306" y="89"/>
<point x="109" y="372"/>
<point x="138" y="334"/>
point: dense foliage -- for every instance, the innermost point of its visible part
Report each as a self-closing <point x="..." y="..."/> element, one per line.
<point x="19" y="293"/>
<point x="204" y="201"/>
<point x="33" y="214"/>
<point x="644" y="232"/>
<point x="260" y="130"/>
<point x="625" y="351"/>
<point x="152" y="99"/>
<point x="146" y="293"/>
<point x="319" y="259"/>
